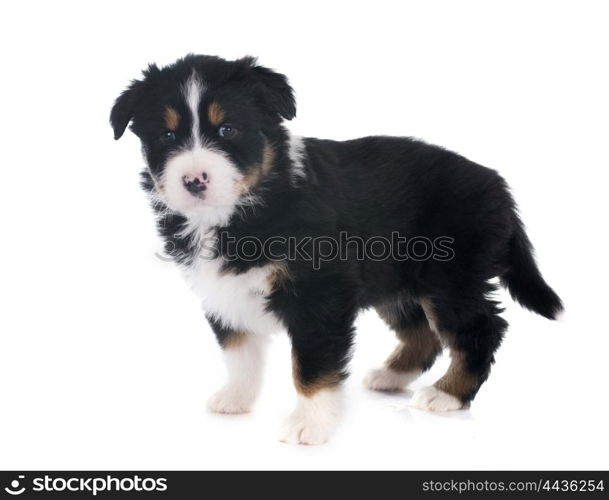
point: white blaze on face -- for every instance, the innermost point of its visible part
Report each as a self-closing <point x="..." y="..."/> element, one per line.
<point x="193" y="93"/>
<point x="216" y="204"/>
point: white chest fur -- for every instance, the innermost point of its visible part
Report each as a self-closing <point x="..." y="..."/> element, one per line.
<point x="237" y="300"/>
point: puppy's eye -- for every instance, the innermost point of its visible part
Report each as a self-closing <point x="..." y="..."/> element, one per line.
<point x="227" y="131"/>
<point x="167" y="137"/>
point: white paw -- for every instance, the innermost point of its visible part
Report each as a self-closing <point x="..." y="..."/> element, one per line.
<point x="432" y="399"/>
<point x="313" y="420"/>
<point x="230" y="401"/>
<point x="298" y="430"/>
<point x="386" y="379"/>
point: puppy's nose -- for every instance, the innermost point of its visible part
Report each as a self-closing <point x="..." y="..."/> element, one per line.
<point x="196" y="184"/>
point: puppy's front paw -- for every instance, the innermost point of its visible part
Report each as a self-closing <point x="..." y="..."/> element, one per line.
<point x="298" y="430"/>
<point x="386" y="379"/>
<point x="313" y="420"/>
<point x="229" y="401"/>
<point x="433" y="399"/>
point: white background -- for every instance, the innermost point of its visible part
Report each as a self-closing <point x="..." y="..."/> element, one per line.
<point x="106" y="360"/>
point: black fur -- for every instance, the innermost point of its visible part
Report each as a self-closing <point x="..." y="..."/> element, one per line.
<point x="368" y="187"/>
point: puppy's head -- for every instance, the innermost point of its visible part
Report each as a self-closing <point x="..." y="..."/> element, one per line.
<point x="204" y="124"/>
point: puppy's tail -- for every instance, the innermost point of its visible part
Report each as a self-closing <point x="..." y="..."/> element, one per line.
<point x="523" y="279"/>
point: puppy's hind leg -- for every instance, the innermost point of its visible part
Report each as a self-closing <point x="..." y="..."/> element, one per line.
<point x="244" y="355"/>
<point x="417" y="350"/>
<point x="473" y="334"/>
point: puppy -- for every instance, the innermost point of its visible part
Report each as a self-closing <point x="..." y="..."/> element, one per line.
<point x="277" y="232"/>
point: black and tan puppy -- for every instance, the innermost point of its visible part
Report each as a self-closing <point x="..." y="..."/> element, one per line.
<point x="277" y="232"/>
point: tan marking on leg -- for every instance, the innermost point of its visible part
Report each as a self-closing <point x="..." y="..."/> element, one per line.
<point x="215" y="113"/>
<point x="419" y="345"/>
<point x="279" y="277"/>
<point x="430" y="313"/>
<point x="388" y="312"/>
<point x="418" y="349"/>
<point x="309" y="389"/>
<point x="458" y="381"/>
<point x="172" y="118"/>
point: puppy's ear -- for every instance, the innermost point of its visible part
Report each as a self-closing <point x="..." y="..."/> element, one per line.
<point x="275" y="90"/>
<point x="124" y="107"/>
